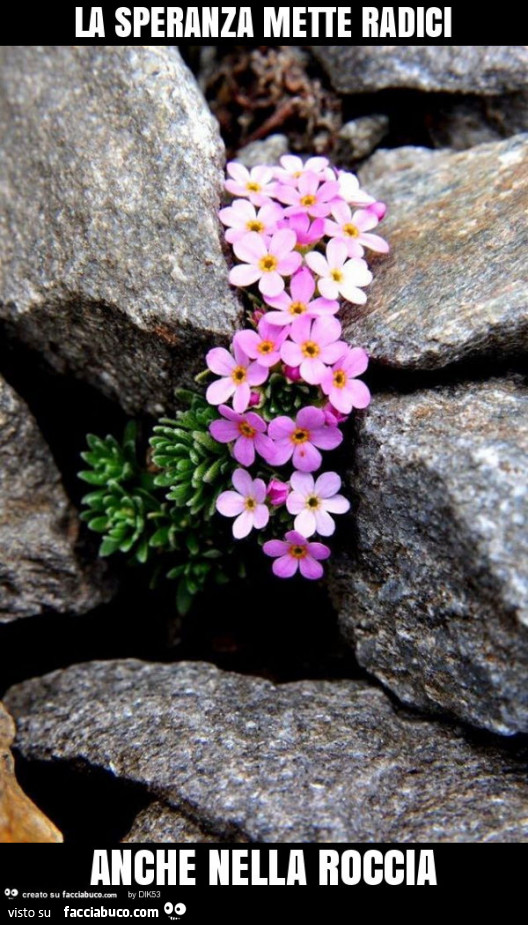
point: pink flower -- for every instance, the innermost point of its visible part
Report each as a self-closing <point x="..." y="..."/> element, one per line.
<point x="307" y="233"/>
<point x="247" y="430"/>
<point x="292" y="168"/>
<point x="264" y="344"/>
<point x="238" y="375"/>
<point x="300" y="438"/>
<point x="333" y="416"/>
<point x="308" y="196"/>
<point x="379" y="209"/>
<point x="256" y="185"/>
<point x="246" y="504"/>
<point x="313" y="345"/>
<point x="344" y="391"/>
<point x="293" y="553"/>
<point x="242" y="217"/>
<point x="302" y="288"/>
<point x="292" y="373"/>
<point x="350" y="190"/>
<point x="265" y="261"/>
<point x="277" y="492"/>
<point x="338" y="275"/>
<point x="313" y="502"/>
<point x="352" y="229"/>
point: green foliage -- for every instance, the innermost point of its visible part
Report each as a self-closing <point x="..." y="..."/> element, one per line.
<point x="195" y="467"/>
<point x="160" y="513"/>
<point x="284" y="397"/>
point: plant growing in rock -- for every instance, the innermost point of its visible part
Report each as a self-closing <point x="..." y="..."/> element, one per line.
<point x="251" y="449"/>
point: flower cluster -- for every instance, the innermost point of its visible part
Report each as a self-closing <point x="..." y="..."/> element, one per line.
<point x="301" y="233"/>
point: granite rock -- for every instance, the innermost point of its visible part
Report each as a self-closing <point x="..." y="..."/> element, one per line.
<point x="386" y="161"/>
<point x="266" y="151"/>
<point x="483" y="69"/>
<point x="112" y="266"/>
<point x="159" y="822"/>
<point x="358" y="138"/>
<point x="20" y="820"/>
<point x="40" y="566"/>
<point x="455" y="284"/>
<point x="246" y="759"/>
<point x="435" y="596"/>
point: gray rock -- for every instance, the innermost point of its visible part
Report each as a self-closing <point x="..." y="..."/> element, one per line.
<point x="435" y="598"/>
<point x="358" y="138"/>
<point x="387" y="161"/>
<point x="246" y="759"/>
<point x="268" y="151"/>
<point x="476" y="120"/>
<point x="455" y="283"/>
<point x="465" y="124"/>
<point x="453" y="68"/>
<point x="158" y="822"/>
<point x="40" y="568"/>
<point x="110" y="181"/>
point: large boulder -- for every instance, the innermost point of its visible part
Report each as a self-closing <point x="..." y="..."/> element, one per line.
<point x="486" y="69"/>
<point x="455" y="285"/>
<point x="247" y="760"/>
<point x="40" y="566"/>
<point x="433" y="594"/>
<point x="110" y="181"/>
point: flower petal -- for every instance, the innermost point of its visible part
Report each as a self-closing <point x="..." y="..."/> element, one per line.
<point x="230" y="503"/>
<point x="220" y="361"/>
<point x="285" y="567"/>
<point x="243" y="525"/>
<point x="244" y="275"/>
<point x="305" y="523"/>
<point x="275" y="548"/>
<point x="310" y="568"/>
<point x="220" y="391"/>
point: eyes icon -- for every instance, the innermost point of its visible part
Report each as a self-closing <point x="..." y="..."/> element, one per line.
<point x="178" y="909"/>
<point x="11" y="893"/>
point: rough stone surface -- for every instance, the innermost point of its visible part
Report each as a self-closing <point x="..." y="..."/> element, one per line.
<point x="109" y="185"/>
<point x="436" y="597"/>
<point x="387" y="161"/>
<point x="244" y="758"/>
<point x="20" y="819"/>
<point x="358" y="138"/>
<point x="464" y="122"/>
<point x="40" y="569"/>
<point x="268" y="151"/>
<point x="461" y="69"/>
<point x="455" y="284"/>
<point x="158" y="822"/>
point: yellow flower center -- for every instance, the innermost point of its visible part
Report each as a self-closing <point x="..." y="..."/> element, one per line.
<point x="351" y="230"/>
<point x="340" y="379"/>
<point x="253" y="187"/>
<point x="265" y="346"/>
<point x="313" y="502"/>
<point x="337" y="276"/>
<point x="246" y="429"/>
<point x="255" y="225"/>
<point x="239" y="375"/>
<point x="298" y="552"/>
<point x="300" y="435"/>
<point x="308" y="200"/>
<point x="297" y="308"/>
<point x="250" y="504"/>
<point x="310" y="349"/>
<point x="268" y="263"/>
